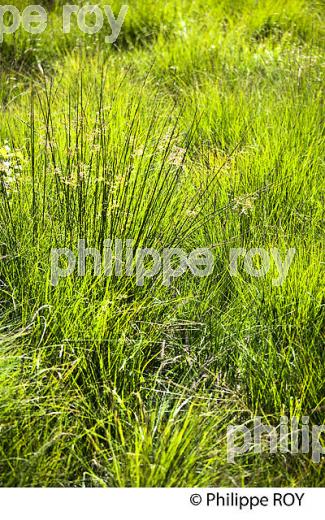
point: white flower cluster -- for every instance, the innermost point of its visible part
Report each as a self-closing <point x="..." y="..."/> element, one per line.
<point x="10" y="168"/>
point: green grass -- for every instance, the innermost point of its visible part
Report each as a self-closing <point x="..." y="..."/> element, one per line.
<point x="102" y="382"/>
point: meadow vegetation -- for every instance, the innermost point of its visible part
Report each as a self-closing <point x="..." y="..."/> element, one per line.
<point x="200" y="127"/>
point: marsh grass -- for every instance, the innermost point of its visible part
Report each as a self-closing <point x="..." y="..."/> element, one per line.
<point x="205" y="133"/>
